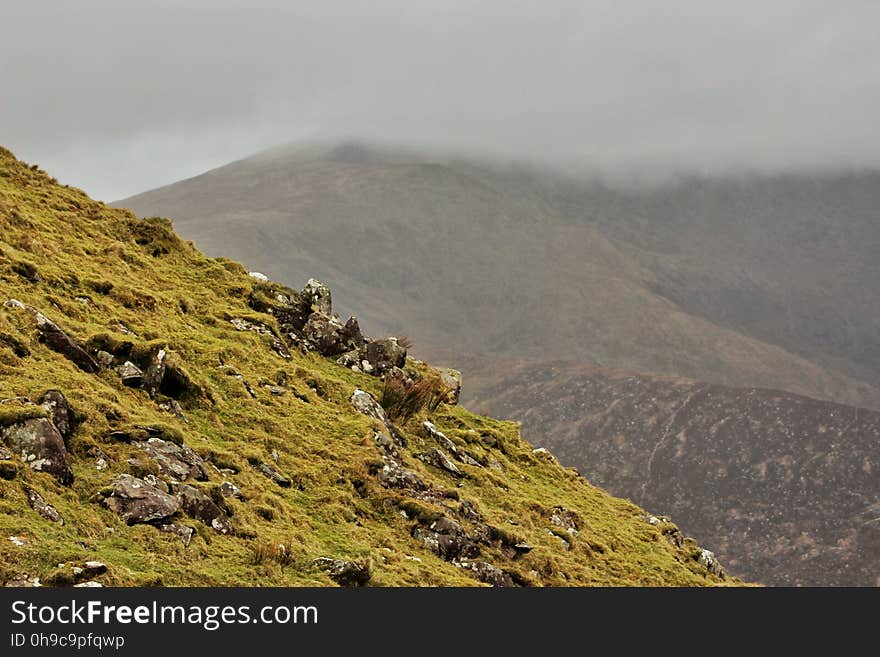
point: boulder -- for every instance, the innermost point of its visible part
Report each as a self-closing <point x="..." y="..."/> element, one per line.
<point x="365" y="403"/>
<point x="177" y="462"/>
<point x="55" y="404"/>
<point x="38" y="504"/>
<point x="259" y="276"/>
<point x="344" y="573"/>
<point x="489" y="574"/>
<point x="131" y="374"/>
<point x="104" y="358"/>
<point x="139" y="502"/>
<point x="197" y="505"/>
<point x="384" y="354"/>
<point x="329" y="337"/>
<point x="57" y="340"/>
<point x="452" y="380"/>
<point x="38" y="443"/>
<point x="318" y="296"/>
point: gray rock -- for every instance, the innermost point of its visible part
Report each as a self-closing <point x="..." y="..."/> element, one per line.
<point x="439" y="460"/>
<point x="707" y="559"/>
<point x="228" y="489"/>
<point x="184" y="532"/>
<point x="318" y="297"/>
<point x="104" y="358"/>
<point x="57" y="340"/>
<point x="139" y="502"/>
<point x="24" y="581"/>
<point x="131" y="374"/>
<point x="384" y="354"/>
<point x="365" y="403"/>
<point x="329" y="337"/>
<point x="344" y="573"/>
<point x="175" y="461"/>
<point x="38" y="504"/>
<point x="94" y="568"/>
<point x="350" y="359"/>
<point x="394" y="475"/>
<point x="452" y="380"/>
<point x="59" y="412"/>
<point x="440" y="437"/>
<point x="88" y="585"/>
<point x="259" y="276"/>
<point x="273" y="474"/>
<point x="197" y="505"/>
<point x="38" y="443"/>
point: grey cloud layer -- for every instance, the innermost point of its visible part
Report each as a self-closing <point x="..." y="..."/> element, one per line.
<point x="118" y="97"/>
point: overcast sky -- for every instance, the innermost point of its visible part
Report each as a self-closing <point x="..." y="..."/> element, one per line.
<point x="118" y="97"/>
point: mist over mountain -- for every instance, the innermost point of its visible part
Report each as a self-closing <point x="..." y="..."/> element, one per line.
<point x="749" y="281"/>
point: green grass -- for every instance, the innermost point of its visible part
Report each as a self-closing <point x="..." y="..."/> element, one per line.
<point x="96" y="268"/>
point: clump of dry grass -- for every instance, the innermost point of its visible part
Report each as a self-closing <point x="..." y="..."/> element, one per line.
<point x="403" y="398"/>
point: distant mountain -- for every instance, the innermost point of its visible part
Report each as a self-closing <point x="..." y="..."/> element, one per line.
<point x="767" y="281"/>
<point x="784" y="488"/>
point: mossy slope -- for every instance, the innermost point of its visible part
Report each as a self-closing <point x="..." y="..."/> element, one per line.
<point x="99" y="272"/>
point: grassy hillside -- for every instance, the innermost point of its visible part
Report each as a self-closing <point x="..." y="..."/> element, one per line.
<point x="115" y="285"/>
<point x="750" y="282"/>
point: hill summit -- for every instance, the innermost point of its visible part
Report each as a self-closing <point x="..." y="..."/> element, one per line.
<point x="173" y="419"/>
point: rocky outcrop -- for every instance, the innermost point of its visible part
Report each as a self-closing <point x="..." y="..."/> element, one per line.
<point x="382" y="355"/>
<point x="447" y="539"/>
<point x="330" y="337"/>
<point x="196" y="504"/>
<point x="38" y="444"/>
<point x="138" y="501"/>
<point x="176" y="462"/>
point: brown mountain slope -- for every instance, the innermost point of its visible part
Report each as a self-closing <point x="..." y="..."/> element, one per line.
<point x="519" y="265"/>
<point x="783" y="487"/>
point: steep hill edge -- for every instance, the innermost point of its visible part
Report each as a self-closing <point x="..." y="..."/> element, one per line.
<point x="169" y="419"/>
